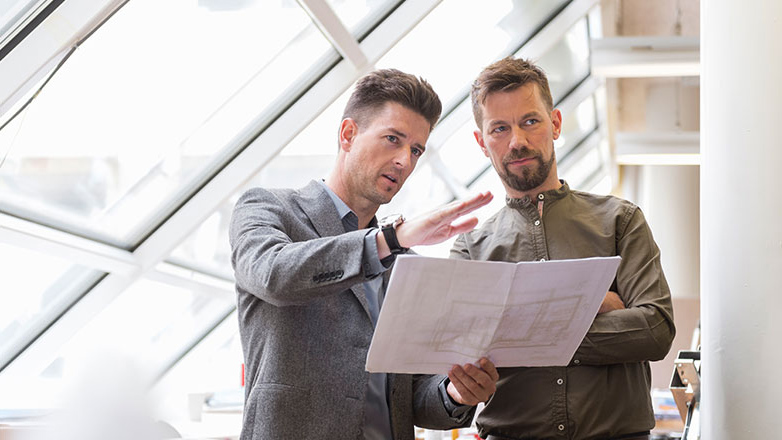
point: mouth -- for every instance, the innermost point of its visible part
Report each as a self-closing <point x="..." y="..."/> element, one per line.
<point x="522" y="162"/>
<point x="390" y="178"/>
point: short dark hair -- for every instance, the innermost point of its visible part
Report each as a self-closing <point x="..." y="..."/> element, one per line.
<point x="376" y="88"/>
<point x="507" y="75"/>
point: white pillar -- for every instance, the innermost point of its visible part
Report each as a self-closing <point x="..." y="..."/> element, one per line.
<point x="741" y="219"/>
<point x="669" y="198"/>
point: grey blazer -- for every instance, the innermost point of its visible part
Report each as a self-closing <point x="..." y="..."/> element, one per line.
<point x="305" y="326"/>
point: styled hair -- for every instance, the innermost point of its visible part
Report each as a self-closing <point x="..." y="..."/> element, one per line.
<point x="376" y="88"/>
<point x="507" y="75"/>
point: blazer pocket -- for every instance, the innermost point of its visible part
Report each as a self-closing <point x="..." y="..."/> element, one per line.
<point x="280" y="411"/>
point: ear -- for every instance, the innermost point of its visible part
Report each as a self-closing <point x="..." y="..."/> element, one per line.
<point x="347" y="132"/>
<point x="556" y="122"/>
<point x="479" y="138"/>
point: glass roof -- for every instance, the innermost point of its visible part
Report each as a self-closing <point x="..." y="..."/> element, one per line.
<point x="152" y="337"/>
<point x="465" y="39"/>
<point x="130" y="125"/>
<point x="36" y="288"/>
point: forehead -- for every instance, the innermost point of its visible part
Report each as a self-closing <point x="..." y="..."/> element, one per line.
<point x="524" y="99"/>
<point x="397" y="116"/>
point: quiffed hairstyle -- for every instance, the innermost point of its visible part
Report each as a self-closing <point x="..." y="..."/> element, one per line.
<point x="507" y="75"/>
<point x="377" y="88"/>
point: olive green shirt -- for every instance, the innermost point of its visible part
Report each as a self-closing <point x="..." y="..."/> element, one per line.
<point x="604" y="391"/>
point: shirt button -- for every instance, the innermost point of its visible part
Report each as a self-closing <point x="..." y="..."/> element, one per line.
<point x="561" y="427"/>
<point x="540" y="196"/>
<point x="537" y="222"/>
<point x="560" y="381"/>
<point x="576" y="361"/>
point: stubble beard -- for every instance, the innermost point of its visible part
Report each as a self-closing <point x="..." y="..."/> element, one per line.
<point x="530" y="178"/>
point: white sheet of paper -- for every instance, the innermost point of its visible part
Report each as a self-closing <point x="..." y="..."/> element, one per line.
<point x="440" y="312"/>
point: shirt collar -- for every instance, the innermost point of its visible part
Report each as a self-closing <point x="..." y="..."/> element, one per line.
<point x="548" y="196"/>
<point x="342" y="208"/>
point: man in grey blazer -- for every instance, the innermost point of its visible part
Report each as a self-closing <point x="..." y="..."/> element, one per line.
<point x="311" y="268"/>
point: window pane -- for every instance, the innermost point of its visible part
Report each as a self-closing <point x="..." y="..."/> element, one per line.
<point x="36" y="289"/>
<point x="360" y="15"/>
<point x="151" y="323"/>
<point x="310" y="155"/>
<point x="580" y="173"/>
<point x="575" y="127"/>
<point x="135" y="120"/>
<point x="462" y="154"/>
<point x="457" y="39"/>
<point x="567" y="63"/>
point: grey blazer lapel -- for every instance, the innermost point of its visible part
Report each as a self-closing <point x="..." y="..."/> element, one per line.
<point x="317" y="204"/>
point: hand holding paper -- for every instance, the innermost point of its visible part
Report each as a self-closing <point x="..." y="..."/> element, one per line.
<point x="471" y="385"/>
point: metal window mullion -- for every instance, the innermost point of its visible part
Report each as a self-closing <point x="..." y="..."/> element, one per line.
<point x="335" y="31"/>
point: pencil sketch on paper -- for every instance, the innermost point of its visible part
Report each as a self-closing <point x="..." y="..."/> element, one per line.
<point x="440" y="312"/>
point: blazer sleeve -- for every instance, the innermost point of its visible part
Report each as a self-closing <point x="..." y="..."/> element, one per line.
<point x="429" y="410"/>
<point x="274" y="267"/>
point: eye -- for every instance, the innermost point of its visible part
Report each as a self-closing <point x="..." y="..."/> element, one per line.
<point x="532" y="121"/>
<point x="499" y="129"/>
<point x="417" y="152"/>
<point x="391" y="138"/>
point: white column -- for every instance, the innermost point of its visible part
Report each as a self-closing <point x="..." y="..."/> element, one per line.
<point x="669" y="198"/>
<point x="741" y="219"/>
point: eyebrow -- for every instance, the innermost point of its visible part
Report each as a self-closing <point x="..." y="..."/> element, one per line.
<point x="404" y="136"/>
<point x="526" y="116"/>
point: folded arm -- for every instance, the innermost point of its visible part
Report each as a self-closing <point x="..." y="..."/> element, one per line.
<point x="643" y="330"/>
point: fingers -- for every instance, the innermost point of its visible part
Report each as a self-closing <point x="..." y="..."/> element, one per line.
<point x="472" y="384"/>
<point x="612" y="301"/>
<point x="490" y="369"/>
<point x="462" y="207"/>
<point x="463" y="226"/>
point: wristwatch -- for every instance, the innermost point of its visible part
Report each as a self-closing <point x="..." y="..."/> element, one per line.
<point x="388" y="226"/>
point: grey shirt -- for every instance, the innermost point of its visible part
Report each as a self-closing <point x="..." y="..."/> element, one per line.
<point x="604" y="391"/>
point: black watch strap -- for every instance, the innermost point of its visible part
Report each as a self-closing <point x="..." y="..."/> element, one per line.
<point x="389" y="232"/>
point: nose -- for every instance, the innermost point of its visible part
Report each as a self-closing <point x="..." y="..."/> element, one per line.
<point x="402" y="158"/>
<point x="518" y="139"/>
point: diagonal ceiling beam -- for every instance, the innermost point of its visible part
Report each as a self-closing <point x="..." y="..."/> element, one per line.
<point x="335" y="31"/>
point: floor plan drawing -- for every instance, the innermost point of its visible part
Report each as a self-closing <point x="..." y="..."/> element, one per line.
<point x="439" y="312"/>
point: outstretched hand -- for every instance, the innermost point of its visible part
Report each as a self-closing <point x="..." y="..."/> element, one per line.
<point x="438" y="225"/>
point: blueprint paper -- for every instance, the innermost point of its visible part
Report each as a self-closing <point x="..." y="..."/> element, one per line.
<point x="439" y="312"/>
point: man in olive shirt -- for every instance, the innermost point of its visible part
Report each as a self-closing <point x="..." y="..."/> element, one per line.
<point x="604" y="392"/>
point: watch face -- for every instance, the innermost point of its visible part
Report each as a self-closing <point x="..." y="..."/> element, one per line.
<point x="392" y="220"/>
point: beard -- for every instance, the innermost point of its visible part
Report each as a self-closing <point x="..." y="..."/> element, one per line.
<point x="530" y="177"/>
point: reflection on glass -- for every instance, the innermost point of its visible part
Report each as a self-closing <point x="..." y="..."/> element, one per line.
<point x="36" y="289"/>
<point x="575" y="127"/>
<point x="360" y="15"/>
<point x="567" y="62"/>
<point x="150" y="325"/>
<point x="135" y="120"/>
<point x="459" y="38"/>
